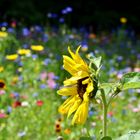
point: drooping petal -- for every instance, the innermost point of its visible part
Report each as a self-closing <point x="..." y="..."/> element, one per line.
<point x="75" y="106"/>
<point x="64" y="108"/>
<point x="81" y="114"/>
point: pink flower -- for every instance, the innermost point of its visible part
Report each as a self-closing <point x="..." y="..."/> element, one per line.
<point x="43" y="76"/>
<point x="2" y="92"/>
<point x="51" y="75"/>
<point x="135" y="109"/>
<point x="137" y="69"/>
<point x="51" y="83"/>
<point x="3" y="115"/>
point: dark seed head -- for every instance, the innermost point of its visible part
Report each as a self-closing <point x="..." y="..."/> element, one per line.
<point x="2" y="84"/>
<point x="81" y="89"/>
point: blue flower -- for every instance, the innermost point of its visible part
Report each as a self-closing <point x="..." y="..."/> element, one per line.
<point x="25" y="32"/>
<point x="42" y="86"/>
<point x="61" y="20"/>
<point x="69" y="9"/>
<point x="46" y="61"/>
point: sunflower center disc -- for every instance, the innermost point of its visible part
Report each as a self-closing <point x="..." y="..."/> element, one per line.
<point x="81" y="89"/>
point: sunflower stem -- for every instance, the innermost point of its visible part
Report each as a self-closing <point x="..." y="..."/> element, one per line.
<point x="105" y="108"/>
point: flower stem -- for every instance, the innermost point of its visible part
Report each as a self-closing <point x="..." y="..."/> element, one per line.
<point x="105" y="108"/>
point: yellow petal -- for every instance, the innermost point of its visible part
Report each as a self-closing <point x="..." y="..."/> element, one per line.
<point x="64" y="108"/>
<point x="75" y="106"/>
<point x="86" y="81"/>
<point x="68" y="90"/>
<point x="71" y="81"/>
<point x="86" y="97"/>
<point x="82" y="74"/>
<point x="67" y="59"/>
<point x="90" y="87"/>
<point x="76" y="57"/>
<point x="69" y="65"/>
<point x="81" y="114"/>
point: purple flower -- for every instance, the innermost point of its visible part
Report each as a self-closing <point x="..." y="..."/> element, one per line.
<point x="34" y="56"/>
<point x="10" y="30"/>
<point x="52" y="15"/>
<point x="35" y="94"/>
<point x="46" y="61"/>
<point x="25" y="46"/>
<point x="64" y="11"/>
<point x="4" y="24"/>
<point x="9" y="109"/>
<point x="25" y="31"/>
<point x="61" y="20"/>
<point x="42" y="86"/>
<point x="69" y="9"/>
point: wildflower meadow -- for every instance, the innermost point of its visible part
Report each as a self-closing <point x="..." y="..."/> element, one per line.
<point x="69" y="83"/>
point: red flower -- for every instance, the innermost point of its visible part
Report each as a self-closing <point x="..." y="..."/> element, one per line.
<point x="16" y="104"/>
<point x="39" y="103"/>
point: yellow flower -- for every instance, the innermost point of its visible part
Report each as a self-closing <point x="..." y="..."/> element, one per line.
<point x="37" y="48"/>
<point x="123" y="20"/>
<point x="12" y="57"/>
<point x="3" y="34"/>
<point x="24" y="51"/>
<point x="78" y="87"/>
<point x="2" y="84"/>
<point x="1" y="68"/>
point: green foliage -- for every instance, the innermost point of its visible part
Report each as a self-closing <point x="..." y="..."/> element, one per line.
<point x="130" y="80"/>
<point x="85" y="138"/>
<point x="106" y="138"/>
<point x="132" y="135"/>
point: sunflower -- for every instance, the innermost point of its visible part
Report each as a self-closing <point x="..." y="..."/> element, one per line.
<point x="2" y="84"/>
<point x="78" y="87"/>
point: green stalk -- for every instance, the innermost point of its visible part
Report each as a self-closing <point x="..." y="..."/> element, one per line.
<point x="105" y="107"/>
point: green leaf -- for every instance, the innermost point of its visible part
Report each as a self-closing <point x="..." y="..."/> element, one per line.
<point x="85" y="138"/>
<point x="109" y="87"/>
<point x="106" y="138"/>
<point x="132" y="135"/>
<point x="96" y="61"/>
<point x="130" y="80"/>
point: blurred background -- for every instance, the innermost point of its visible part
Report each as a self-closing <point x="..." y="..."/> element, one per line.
<point x="34" y="34"/>
<point x="94" y="14"/>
